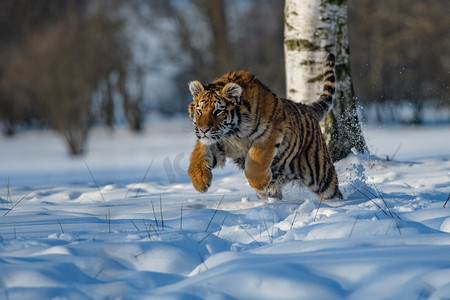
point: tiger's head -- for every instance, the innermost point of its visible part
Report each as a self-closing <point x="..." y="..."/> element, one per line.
<point x="213" y="110"/>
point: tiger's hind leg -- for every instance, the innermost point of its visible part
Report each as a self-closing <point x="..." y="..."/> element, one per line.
<point x="325" y="186"/>
<point x="318" y="172"/>
<point x="273" y="190"/>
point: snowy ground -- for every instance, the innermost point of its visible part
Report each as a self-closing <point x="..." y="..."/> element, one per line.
<point x="155" y="237"/>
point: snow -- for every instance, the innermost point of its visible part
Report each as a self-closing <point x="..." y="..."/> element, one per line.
<point x="145" y="233"/>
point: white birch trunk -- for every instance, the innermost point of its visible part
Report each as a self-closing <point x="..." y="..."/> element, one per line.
<point x="304" y="52"/>
<point x="314" y="28"/>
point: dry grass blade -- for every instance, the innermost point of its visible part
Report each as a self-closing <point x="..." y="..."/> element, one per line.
<point x="8" y="195"/>
<point x="135" y="225"/>
<point x="181" y="218"/>
<point x="393" y="214"/>
<point x="317" y="211"/>
<point x="204" y="238"/>
<point x="368" y="198"/>
<point x="95" y="181"/>
<point x="108" y="217"/>
<point x="267" y="229"/>
<point x="151" y="226"/>
<point x="154" y="215"/>
<point x="161" y="212"/>
<point x="448" y="198"/>
<point x="148" y="230"/>
<point x="250" y="235"/>
<point x="17" y="203"/>
<point x="221" y="225"/>
<point x="62" y="229"/>
<point x="295" y="216"/>
<point x="394" y="154"/>
<point x="353" y="227"/>
<point x="217" y="208"/>
<point x="143" y="179"/>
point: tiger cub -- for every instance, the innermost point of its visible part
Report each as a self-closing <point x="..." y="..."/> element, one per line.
<point x="274" y="140"/>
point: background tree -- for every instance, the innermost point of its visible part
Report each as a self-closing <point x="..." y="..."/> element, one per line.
<point x="314" y="28"/>
<point x="59" y="68"/>
<point x="400" y="53"/>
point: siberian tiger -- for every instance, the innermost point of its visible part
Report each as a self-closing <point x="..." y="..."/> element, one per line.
<point x="274" y="140"/>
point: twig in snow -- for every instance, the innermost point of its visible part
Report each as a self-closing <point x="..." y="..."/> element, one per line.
<point x="161" y="212"/>
<point x="148" y="230"/>
<point x="7" y="189"/>
<point x="295" y="216"/>
<point x="217" y="208"/>
<point x="353" y="227"/>
<point x="99" y="272"/>
<point x="396" y="224"/>
<point x="267" y="229"/>
<point x="204" y="238"/>
<point x="108" y="218"/>
<point x="317" y="211"/>
<point x="370" y="198"/>
<point x="221" y="225"/>
<point x="8" y="195"/>
<point x="181" y="218"/>
<point x="145" y="176"/>
<point x="250" y="235"/>
<point x="151" y="226"/>
<point x="385" y="204"/>
<point x="393" y="155"/>
<point x="218" y="232"/>
<point x="448" y="198"/>
<point x="17" y="203"/>
<point x="135" y="225"/>
<point x="95" y="181"/>
<point x="62" y="229"/>
<point x="154" y="215"/>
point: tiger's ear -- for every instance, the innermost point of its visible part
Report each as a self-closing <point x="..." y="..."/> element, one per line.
<point x="196" y="88"/>
<point x="232" y="90"/>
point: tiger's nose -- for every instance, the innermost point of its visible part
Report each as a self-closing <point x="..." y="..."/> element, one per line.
<point x="204" y="129"/>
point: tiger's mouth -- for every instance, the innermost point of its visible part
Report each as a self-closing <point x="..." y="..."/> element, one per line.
<point x="208" y="136"/>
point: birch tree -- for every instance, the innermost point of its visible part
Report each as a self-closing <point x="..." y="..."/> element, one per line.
<point x="314" y="28"/>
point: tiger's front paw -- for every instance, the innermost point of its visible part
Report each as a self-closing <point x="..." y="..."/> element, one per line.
<point x="258" y="181"/>
<point x="200" y="174"/>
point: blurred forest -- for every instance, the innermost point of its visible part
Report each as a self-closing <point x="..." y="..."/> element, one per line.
<point x="72" y="64"/>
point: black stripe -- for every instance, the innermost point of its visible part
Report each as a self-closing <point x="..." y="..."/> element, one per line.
<point x="328" y="71"/>
<point x="317" y="163"/>
<point x="306" y="151"/>
<point x="237" y="112"/>
<point x="292" y="167"/>
<point x="273" y="111"/>
<point x="329" y="88"/>
<point x="214" y="163"/>
<point x="255" y="129"/>
<point x="326" y="183"/>
<point x="220" y="147"/>
<point x="262" y="133"/>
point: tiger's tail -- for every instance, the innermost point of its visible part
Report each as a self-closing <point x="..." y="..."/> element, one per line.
<point x="325" y="101"/>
